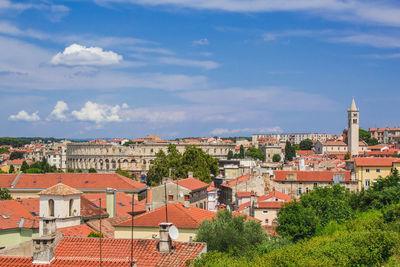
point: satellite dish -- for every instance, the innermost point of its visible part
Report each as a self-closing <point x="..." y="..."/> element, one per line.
<point x="180" y="193"/>
<point x="173" y="232"/>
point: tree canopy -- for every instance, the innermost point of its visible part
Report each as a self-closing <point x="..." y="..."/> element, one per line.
<point x="43" y="166"/>
<point x="16" y="155"/>
<point x="290" y="152"/>
<point x="5" y="194"/>
<point x="228" y="232"/>
<point x="306" y="144"/>
<point x="276" y="158"/>
<point x="365" y="136"/>
<point x="194" y="160"/>
<point x="255" y="153"/>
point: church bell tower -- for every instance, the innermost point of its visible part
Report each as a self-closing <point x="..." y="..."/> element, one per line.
<point x="353" y="129"/>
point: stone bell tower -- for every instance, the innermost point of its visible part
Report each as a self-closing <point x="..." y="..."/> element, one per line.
<point x="353" y="129"/>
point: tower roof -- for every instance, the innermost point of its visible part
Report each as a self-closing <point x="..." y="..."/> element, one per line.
<point x="60" y="190"/>
<point x="353" y="105"/>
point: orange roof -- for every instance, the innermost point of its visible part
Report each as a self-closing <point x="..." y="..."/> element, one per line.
<point x="375" y="161"/>
<point x="180" y="216"/>
<point x="238" y="180"/>
<point x="309" y="176"/>
<point x="278" y="194"/>
<point x="191" y="183"/>
<point x="264" y="203"/>
<point x="60" y="190"/>
<point x="211" y="188"/>
<point x="79" y="251"/>
<point x="304" y="152"/>
<point x="107" y="228"/>
<point x="383" y="129"/>
<point x="6" y="180"/>
<point x="79" y="181"/>
<point x="81" y="230"/>
<point x="244" y="194"/>
<point x="123" y="204"/>
<point x="12" y="213"/>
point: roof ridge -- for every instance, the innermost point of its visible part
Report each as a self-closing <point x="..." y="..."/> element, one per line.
<point x="182" y="209"/>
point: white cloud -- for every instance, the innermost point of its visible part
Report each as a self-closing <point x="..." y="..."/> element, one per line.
<point x="98" y="113"/>
<point x="205" y="64"/>
<point x="376" y="40"/>
<point x="78" y="55"/>
<point x="24" y="67"/>
<point x="203" y="41"/>
<point x="362" y="11"/>
<point x="58" y="112"/>
<point x="384" y="56"/>
<point x="155" y="115"/>
<point x="224" y="131"/>
<point x="269" y="37"/>
<point x="25" y="116"/>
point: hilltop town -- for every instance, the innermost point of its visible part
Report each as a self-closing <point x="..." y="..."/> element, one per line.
<point x="144" y="201"/>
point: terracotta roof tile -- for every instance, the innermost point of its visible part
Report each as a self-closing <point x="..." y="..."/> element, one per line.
<point x="11" y="213"/>
<point x="60" y="190"/>
<point x="107" y="227"/>
<point x="79" y="181"/>
<point x="375" y="161"/>
<point x="81" y="230"/>
<point x="238" y="180"/>
<point x="191" y="183"/>
<point x="6" y="180"/>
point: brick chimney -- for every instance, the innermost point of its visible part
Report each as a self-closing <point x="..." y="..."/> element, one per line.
<point x="165" y="243"/>
<point x="190" y="174"/>
<point x="252" y="203"/>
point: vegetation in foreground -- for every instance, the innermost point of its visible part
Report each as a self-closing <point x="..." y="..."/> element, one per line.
<point x="327" y="227"/>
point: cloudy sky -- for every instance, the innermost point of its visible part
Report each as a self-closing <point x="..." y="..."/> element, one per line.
<point x="127" y="68"/>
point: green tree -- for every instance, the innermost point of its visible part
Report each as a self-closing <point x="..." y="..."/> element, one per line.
<point x="34" y="170"/>
<point x="79" y="170"/>
<point x="24" y="166"/>
<point x="5" y="194"/>
<point x="255" y="153"/>
<point x="296" y="222"/>
<point x="158" y="169"/>
<point x="128" y="143"/>
<point x="230" y="154"/>
<point x="241" y="152"/>
<point x="16" y="155"/>
<point x="276" y="158"/>
<point x="306" y="144"/>
<point x="290" y="152"/>
<point x="92" y="170"/>
<point x="11" y="169"/>
<point x="364" y="135"/>
<point x="330" y="203"/>
<point x="95" y="234"/>
<point x="347" y="156"/>
<point x="4" y="150"/>
<point x="123" y="173"/>
<point x="227" y="232"/>
<point x="70" y="170"/>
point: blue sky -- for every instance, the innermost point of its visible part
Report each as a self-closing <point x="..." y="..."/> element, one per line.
<point x="127" y="68"/>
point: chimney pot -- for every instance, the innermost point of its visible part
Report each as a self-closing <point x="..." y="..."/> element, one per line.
<point x="165" y="243"/>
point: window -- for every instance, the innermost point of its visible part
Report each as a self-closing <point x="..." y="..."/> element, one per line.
<point x="306" y="189"/>
<point x="315" y="184"/>
<point x="367" y="183"/>
<point x="265" y="211"/>
<point x="187" y="197"/>
<point x="51" y="207"/>
<point x="300" y="191"/>
<point x="378" y="170"/>
<point x="71" y="204"/>
<point x="266" y="221"/>
<point x="170" y="197"/>
<point x="367" y="170"/>
<point x="354" y="120"/>
<point x="283" y="190"/>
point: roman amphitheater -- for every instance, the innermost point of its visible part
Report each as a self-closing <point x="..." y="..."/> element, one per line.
<point x="135" y="158"/>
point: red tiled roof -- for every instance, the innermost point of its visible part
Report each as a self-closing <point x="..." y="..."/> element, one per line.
<point x="107" y="227"/>
<point x="270" y="204"/>
<point x="191" y="183"/>
<point x="383" y="129"/>
<point x="310" y="176"/>
<point x="11" y="213"/>
<point x="6" y="180"/>
<point x="79" y="181"/>
<point x="244" y="194"/>
<point x="304" y="152"/>
<point x="79" y="230"/>
<point x="278" y="194"/>
<point x="375" y="161"/>
<point x="238" y="180"/>
<point x="78" y="251"/>
<point x="211" y="188"/>
<point x="180" y="216"/>
<point x="123" y="204"/>
<point x="60" y="190"/>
